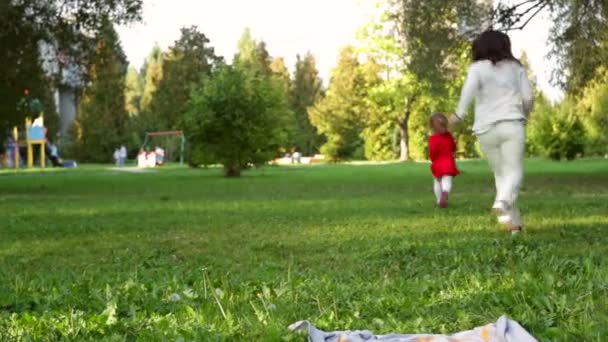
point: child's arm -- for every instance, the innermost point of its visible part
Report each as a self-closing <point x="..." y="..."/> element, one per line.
<point x="432" y="149"/>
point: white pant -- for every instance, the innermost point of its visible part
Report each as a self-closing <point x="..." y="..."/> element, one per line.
<point x="503" y="145"/>
<point x="441" y="185"/>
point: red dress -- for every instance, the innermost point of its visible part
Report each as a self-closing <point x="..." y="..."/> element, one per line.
<point x="441" y="153"/>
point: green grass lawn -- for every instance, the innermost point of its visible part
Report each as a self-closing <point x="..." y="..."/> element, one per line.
<point x="186" y="255"/>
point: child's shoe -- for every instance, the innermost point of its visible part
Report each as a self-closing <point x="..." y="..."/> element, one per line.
<point x="443" y="202"/>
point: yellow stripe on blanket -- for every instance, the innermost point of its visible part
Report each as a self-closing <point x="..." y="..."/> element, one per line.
<point x="485" y="334"/>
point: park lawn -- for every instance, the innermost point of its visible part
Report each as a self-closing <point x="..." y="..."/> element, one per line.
<point x="187" y="255"/>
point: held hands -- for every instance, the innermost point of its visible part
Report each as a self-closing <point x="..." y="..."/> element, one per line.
<point x="454" y="120"/>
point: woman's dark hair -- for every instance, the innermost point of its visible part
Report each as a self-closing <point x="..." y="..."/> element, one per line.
<point x="493" y="46"/>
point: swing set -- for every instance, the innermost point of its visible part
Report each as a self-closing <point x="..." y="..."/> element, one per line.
<point x="179" y="134"/>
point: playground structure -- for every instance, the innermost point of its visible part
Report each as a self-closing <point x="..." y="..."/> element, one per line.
<point x="158" y="156"/>
<point x="35" y="135"/>
<point x="22" y="146"/>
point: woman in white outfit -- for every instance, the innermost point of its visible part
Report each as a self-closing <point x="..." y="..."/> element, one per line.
<point x="503" y="100"/>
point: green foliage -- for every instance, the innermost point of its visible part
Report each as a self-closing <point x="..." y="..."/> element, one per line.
<point x="252" y="56"/>
<point x="95" y="255"/>
<point x="579" y="37"/>
<point x="21" y="69"/>
<point x="339" y="116"/>
<point x="281" y="74"/>
<point x="153" y="76"/>
<point x="60" y="23"/>
<point x="246" y="50"/>
<point x="556" y="132"/>
<point x="431" y="32"/>
<point x="134" y="88"/>
<point x="539" y="127"/>
<point x="236" y="119"/>
<point x="187" y="61"/>
<point x="568" y="133"/>
<point x="415" y="84"/>
<point x="593" y="110"/>
<point x="148" y="120"/>
<point x="101" y="123"/>
<point x="306" y="90"/>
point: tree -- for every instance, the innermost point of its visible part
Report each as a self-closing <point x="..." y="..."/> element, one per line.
<point x="540" y="126"/>
<point x="580" y="39"/>
<point x="432" y="31"/>
<point x="134" y="89"/>
<point x="100" y="125"/>
<point x="281" y="79"/>
<point x="556" y="132"/>
<point x="281" y="74"/>
<point x="306" y="90"/>
<point x="567" y="136"/>
<point x="593" y="110"/>
<point x="339" y="116"/>
<point x="246" y="50"/>
<point x="578" y="36"/>
<point x="253" y="56"/>
<point x="153" y="76"/>
<point x="187" y="61"/>
<point x="254" y="59"/>
<point x="263" y="60"/>
<point x="421" y="66"/>
<point x="61" y="24"/>
<point x="235" y="119"/>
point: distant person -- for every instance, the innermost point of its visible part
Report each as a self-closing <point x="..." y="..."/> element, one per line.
<point x="142" y="158"/>
<point x="11" y="149"/>
<point x="151" y="159"/>
<point x="160" y="155"/>
<point x="117" y="156"/>
<point x="503" y="96"/>
<point x="54" y="155"/>
<point x="296" y="156"/>
<point x="441" y="153"/>
<point x="38" y="122"/>
<point x="54" y="151"/>
<point x="122" y="156"/>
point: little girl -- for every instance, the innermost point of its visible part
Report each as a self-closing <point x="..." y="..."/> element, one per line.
<point x="441" y="153"/>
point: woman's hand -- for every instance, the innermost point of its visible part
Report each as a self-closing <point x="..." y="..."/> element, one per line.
<point x="454" y="120"/>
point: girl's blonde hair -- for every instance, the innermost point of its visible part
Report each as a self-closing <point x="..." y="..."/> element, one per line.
<point x="440" y="119"/>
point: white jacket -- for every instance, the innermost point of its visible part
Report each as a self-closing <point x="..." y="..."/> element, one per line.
<point x="502" y="92"/>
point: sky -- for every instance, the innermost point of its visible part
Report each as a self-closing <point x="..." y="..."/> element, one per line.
<point x="289" y="28"/>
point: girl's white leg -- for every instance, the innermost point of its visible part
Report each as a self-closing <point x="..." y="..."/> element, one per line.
<point x="512" y="155"/>
<point x="446" y="183"/>
<point x="490" y="146"/>
<point x="513" y="160"/>
<point x="437" y="189"/>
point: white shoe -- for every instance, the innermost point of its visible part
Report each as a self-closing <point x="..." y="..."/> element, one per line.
<point x="498" y="208"/>
<point x="510" y="217"/>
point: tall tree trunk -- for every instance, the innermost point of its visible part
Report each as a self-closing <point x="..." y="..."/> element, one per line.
<point x="404" y="122"/>
<point x="404" y="144"/>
